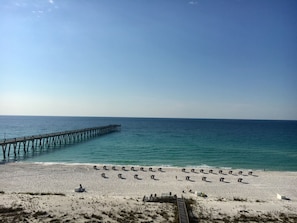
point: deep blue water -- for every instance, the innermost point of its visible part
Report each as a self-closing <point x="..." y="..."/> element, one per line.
<point x="249" y="144"/>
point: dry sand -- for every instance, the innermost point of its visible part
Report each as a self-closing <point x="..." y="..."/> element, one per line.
<point x="45" y="193"/>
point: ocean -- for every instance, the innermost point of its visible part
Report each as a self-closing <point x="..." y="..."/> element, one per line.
<point x="246" y="144"/>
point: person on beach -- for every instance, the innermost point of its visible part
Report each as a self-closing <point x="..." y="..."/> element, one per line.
<point x="80" y="189"/>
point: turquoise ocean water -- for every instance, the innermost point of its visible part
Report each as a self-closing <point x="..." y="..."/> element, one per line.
<point x="248" y="144"/>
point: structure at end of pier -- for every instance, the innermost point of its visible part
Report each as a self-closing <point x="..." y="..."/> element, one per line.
<point x="31" y="143"/>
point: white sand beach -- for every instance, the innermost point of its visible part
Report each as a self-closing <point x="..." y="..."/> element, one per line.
<point x="45" y="193"/>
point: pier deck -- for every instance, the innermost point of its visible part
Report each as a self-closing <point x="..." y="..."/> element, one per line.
<point x="52" y="139"/>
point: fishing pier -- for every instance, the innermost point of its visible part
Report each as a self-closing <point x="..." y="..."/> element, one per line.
<point x="44" y="141"/>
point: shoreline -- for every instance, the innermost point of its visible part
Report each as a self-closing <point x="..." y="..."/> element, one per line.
<point x="22" y="183"/>
<point x="205" y="166"/>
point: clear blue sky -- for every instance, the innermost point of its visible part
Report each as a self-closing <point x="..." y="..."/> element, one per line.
<point x="149" y="58"/>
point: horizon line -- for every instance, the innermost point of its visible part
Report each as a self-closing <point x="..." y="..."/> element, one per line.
<point x="153" y="117"/>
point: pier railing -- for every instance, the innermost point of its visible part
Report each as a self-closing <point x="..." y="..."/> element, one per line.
<point x="44" y="141"/>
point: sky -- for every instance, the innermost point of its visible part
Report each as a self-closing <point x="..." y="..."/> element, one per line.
<point x="149" y="58"/>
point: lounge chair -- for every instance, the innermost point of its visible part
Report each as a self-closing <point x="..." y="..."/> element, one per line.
<point x="133" y="169"/>
<point x="103" y="175"/>
<point x="80" y="190"/>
